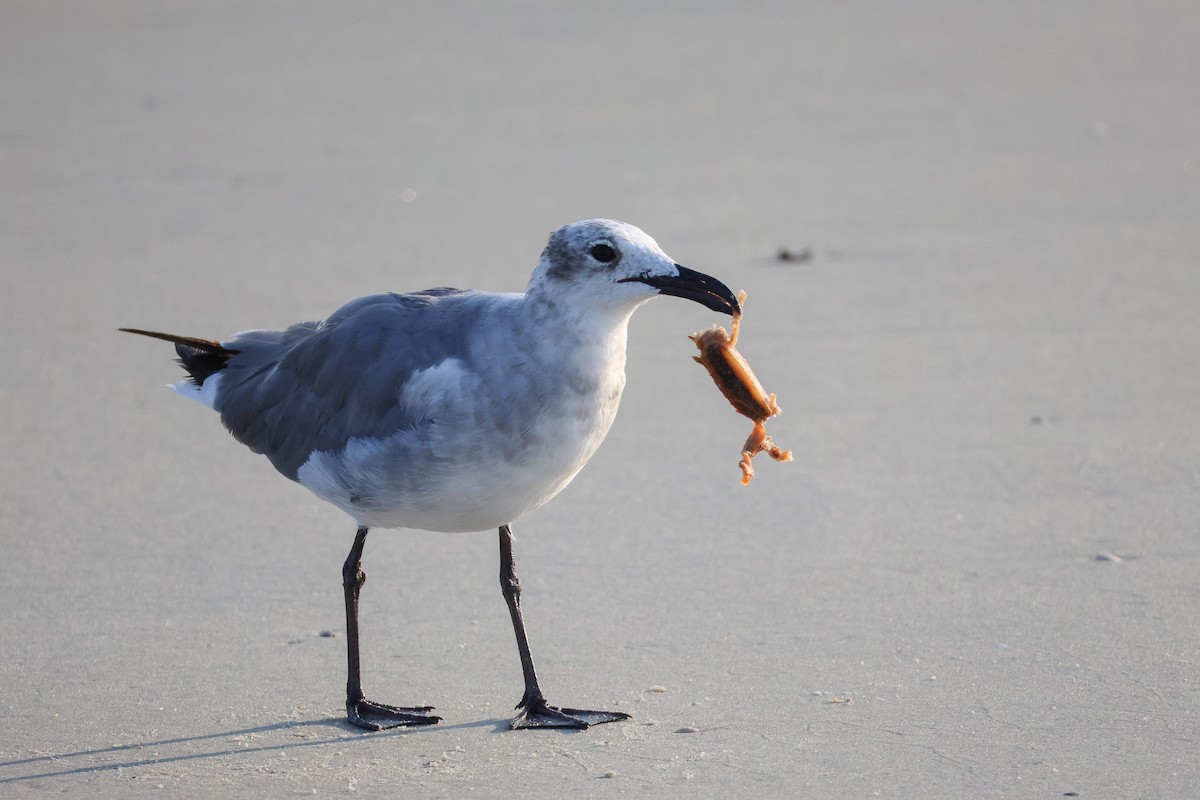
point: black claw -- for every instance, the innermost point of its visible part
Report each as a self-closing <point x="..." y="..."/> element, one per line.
<point x="373" y="716"/>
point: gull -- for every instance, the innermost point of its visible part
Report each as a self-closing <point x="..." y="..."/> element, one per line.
<point x="447" y="410"/>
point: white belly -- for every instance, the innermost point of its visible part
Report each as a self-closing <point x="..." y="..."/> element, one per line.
<point x="445" y="481"/>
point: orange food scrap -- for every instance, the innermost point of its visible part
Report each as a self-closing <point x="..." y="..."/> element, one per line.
<point x="735" y="379"/>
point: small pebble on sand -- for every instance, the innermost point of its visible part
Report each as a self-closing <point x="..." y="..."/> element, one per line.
<point x="787" y="254"/>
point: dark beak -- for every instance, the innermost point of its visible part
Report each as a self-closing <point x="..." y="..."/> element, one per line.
<point x="691" y="285"/>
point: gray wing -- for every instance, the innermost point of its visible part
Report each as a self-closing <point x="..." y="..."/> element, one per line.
<point x="316" y="385"/>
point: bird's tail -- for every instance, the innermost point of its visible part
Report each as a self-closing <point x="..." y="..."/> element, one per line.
<point x="202" y="358"/>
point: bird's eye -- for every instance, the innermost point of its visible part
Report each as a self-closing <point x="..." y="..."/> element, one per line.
<point x="603" y="253"/>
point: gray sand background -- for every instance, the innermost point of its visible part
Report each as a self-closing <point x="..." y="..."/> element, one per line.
<point x="987" y="356"/>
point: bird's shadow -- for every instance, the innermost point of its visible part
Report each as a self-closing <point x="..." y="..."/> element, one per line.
<point x="334" y="730"/>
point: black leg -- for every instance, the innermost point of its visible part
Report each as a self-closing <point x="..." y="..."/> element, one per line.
<point x="535" y="712"/>
<point x="360" y="711"/>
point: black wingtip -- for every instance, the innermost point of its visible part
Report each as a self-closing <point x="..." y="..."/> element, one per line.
<point x="201" y="358"/>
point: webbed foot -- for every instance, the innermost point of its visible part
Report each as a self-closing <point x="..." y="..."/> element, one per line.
<point x="536" y="713"/>
<point x="373" y="716"/>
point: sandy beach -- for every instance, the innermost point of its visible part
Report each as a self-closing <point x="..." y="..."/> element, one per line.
<point x="978" y="578"/>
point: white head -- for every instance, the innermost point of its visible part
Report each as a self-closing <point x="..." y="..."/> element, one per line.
<point x="603" y="263"/>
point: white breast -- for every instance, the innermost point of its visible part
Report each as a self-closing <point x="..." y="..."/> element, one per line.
<point x="473" y="468"/>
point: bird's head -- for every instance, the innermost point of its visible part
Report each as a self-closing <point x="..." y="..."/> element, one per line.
<point x="615" y="265"/>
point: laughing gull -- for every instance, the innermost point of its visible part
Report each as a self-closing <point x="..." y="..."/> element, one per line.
<point x="448" y="409"/>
